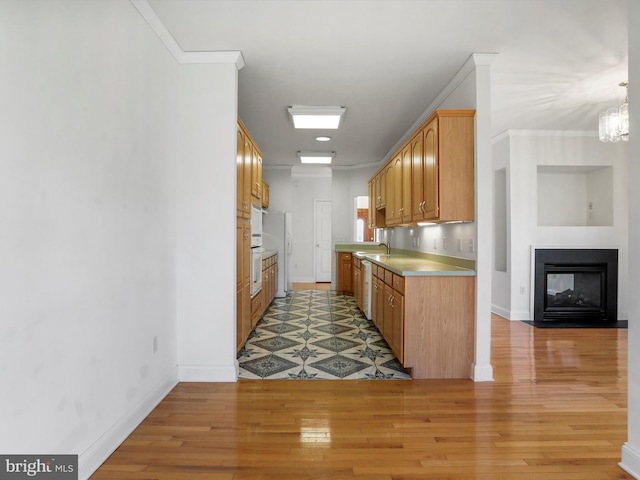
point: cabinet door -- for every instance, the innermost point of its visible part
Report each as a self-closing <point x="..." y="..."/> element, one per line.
<point x="357" y="292"/>
<point x="248" y="171"/>
<point x="405" y="209"/>
<point x="417" y="182"/>
<point x="243" y="280"/>
<point x="374" y="300"/>
<point x="387" y="318"/>
<point x="372" y="204"/>
<point x="397" y="324"/>
<point x="344" y="274"/>
<point x="397" y="189"/>
<point x="430" y="172"/>
<point x="390" y="214"/>
<point x="256" y="174"/>
<point x="240" y="207"/>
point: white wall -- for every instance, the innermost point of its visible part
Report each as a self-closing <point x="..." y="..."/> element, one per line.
<point x="280" y="188"/>
<point x="206" y="223"/>
<point x="631" y="450"/>
<point x="527" y="151"/>
<point x="309" y="183"/>
<point x="87" y="204"/>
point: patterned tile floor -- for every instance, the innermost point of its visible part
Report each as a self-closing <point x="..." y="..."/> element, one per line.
<point x="315" y="334"/>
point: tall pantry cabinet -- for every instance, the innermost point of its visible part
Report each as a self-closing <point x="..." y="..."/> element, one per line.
<point x="249" y="190"/>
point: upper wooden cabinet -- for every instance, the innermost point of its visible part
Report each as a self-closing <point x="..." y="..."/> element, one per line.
<point x="243" y="176"/>
<point x="431" y="177"/>
<point x="448" y="191"/>
<point x="265" y="194"/>
<point x="404" y="213"/>
<point x="256" y="176"/>
<point x="249" y="173"/>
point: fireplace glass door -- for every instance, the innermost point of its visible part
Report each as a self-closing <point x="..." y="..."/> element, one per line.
<point x="576" y="291"/>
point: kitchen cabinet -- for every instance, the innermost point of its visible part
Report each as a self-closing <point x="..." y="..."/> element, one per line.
<point x="390" y="214"/>
<point x="243" y="173"/>
<point x="443" y="187"/>
<point x="431" y="177"/>
<point x="243" y="281"/>
<point x="265" y="194"/>
<point x="344" y="274"/>
<point x="256" y="175"/>
<point x="428" y="321"/>
<point x="377" y="299"/>
<point x="404" y="214"/>
<point x="372" y="204"/>
<point x="269" y="280"/>
<point x="248" y="171"/>
<point x="357" y="281"/>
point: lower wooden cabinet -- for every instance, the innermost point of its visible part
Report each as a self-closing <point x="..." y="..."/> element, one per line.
<point x="249" y="310"/>
<point x="428" y="321"/>
<point x="344" y="274"/>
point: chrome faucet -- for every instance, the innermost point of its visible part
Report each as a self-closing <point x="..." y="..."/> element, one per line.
<point x="387" y="246"/>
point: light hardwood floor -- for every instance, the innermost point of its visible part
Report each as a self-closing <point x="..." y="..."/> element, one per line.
<point x="556" y="410"/>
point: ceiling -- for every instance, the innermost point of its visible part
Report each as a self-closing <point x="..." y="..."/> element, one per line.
<point x="559" y="63"/>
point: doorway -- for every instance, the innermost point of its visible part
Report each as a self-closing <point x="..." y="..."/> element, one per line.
<point x="322" y="263"/>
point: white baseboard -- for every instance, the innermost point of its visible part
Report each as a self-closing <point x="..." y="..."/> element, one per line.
<point x="303" y="280"/>
<point x="630" y="462"/>
<point x="482" y="373"/>
<point x="519" y="315"/>
<point x="94" y="456"/>
<point x="208" y="373"/>
<point x="503" y="312"/>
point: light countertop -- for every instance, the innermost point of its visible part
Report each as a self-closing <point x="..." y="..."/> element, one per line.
<point x="410" y="264"/>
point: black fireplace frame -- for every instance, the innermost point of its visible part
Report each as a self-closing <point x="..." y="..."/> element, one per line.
<point x="576" y="260"/>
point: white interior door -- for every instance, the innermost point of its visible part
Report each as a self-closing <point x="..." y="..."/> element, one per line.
<point x="323" y="240"/>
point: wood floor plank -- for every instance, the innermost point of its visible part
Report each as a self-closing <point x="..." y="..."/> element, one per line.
<point x="557" y="410"/>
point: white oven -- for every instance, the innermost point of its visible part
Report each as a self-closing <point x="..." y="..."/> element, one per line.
<point x="256" y="270"/>
<point x="256" y="226"/>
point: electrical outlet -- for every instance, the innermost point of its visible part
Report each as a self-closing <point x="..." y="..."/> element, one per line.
<point x="459" y="244"/>
<point x="435" y="243"/>
<point x="444" y="243"/>
<point x="472" y="245"/>
<point x="521" y="289"/>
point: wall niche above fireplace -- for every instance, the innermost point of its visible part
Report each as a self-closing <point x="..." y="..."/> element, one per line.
<point x="576" y="285"/>
<point x="570" y="196"/>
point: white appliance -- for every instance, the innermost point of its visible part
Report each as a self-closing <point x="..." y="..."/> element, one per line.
<point x="256" y="226"/>
<point x="366" y="291"/>
<point x="256" y="270"/>
<point x="276" y="235"/>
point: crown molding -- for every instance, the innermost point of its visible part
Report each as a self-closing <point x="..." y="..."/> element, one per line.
<point x="543" y="133"/>
<point x="182" y="57"/>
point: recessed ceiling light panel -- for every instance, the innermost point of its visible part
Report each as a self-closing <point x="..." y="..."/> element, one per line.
<point x="323" y="139"/>
<point x="305" y="116"/>
<point x="316" y="157"/>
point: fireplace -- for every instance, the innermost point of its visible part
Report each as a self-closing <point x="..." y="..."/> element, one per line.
<point x="576" y="285"/>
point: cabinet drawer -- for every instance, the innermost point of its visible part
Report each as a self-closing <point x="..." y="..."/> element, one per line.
<point x="388" y="277"/>
<point x="398" y="283"/>
<point x="374" y="270"/>
<point x="256" y="302"/>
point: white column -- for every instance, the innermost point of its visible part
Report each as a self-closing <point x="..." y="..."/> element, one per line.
<point x="631" y="449"/>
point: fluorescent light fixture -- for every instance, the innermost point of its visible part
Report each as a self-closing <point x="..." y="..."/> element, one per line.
<point x="323" y="139"/>
<point x="316" y="157"/>
<point x="316" y="117"/>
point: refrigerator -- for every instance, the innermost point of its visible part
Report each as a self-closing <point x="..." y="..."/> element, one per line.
<point x="276" y="235"/>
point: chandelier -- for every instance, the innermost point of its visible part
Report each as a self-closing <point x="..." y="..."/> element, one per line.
<point x="614" y="122"/>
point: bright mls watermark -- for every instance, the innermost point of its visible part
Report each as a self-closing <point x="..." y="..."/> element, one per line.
<point x="46" y="467"/>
